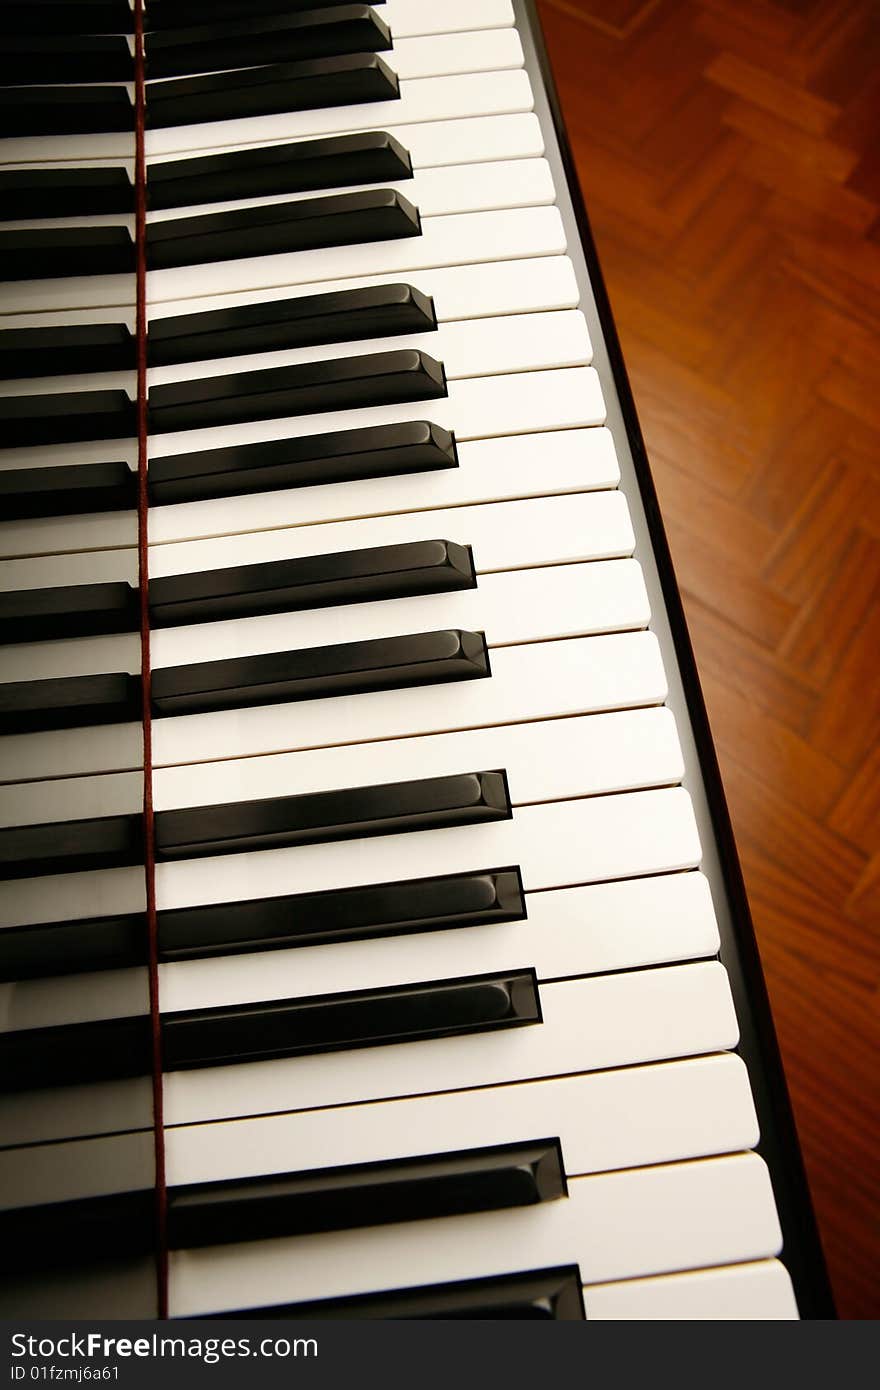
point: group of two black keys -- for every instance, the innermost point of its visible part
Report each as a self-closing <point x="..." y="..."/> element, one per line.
<point x="262" y="59"/>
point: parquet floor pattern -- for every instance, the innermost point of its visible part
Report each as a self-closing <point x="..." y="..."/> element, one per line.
<point x="729" y="152"/>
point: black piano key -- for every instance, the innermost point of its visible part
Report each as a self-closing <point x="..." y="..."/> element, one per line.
<point x="540" y="1295"/>
<point x="64" y="110"/>
<point x="63" y="192"/>
<point x="75" y="610"/>
<point x="166" y="14"/>
<point x="67" y="17"/>
<point x="318" y="817"/>
<point x="342" y="383"/>
<point x="382" y="451"/>
<point x="65" y="350"/>
<point x="365" y="1194"/>
<point x="43" y="253"/>
<point x="72" y="1054"/>
<point x="71" y="490"/>
<point x="66" y="417"/>
<point x="115" y="1226"/>
<point x="68" y="702"/>
<point x="347" y="219"/>
<point x="254" y="38"/>
<point x="315" y="581"/>
<point x="48" y="57"/>
<point x="383" y="311"/>
<point x="75" y="846"/>
<point x="343" y="914"/>
<point x="271" y="90"/>
<point x="368" y="1018"/>
<point x="348" y="668"/>
<point x="70" y="948"/>
<point x="333" y="162"/>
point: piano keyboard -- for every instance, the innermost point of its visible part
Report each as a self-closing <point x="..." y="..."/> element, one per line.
<point x="372" y="938"/>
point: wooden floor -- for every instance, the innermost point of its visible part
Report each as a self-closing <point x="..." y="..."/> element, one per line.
<point x="729" y="152"/>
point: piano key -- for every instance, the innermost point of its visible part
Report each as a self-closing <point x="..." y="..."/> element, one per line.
<point x="345" y="668"/>
<point x="445" y="242"/>
<point x="371" y="157"/>
<point x="377" y="312"/>
<point x="676" y="1011"/>
<point x="521" y="606"/>
<point x="474" y="408"/>
<point x="30" y="193"/>
<point x="51" y="57"/>
<point x="553" y="1294"/>
<point x="487" y="50"/>
<point x="68" y="112"/>
<point x="444" y="903"/>
<point x="407" y="17"/>
<point x="568" y="932"/>
<point x="549" y="760"/>
<point x="758" y="1291"/>
<point x="56" y="492"/>
<point x="499" y="469"/>
<point x="457" y="239"/>
<point x="78" y="610"/>
<point x="64" y="349"/>
<point x="102" y="943"/>
<point x="36" y="253"/>
<point x="292" y="226"/>
<point x="473" y="187"/>
<point x="70" y="846"/>
<point x="299" y="1202"/>
<point x="68" y="416"/>
<point x="604" y="1121"/>
<point x="67" y="16"/>
<point x="113" y="1226"/>
<point x="204" y="1039"/>
<point x="472" y="348"/>
<point x="168" y="14"/>
<point x="375" y="101"/>
<point x="359" y="81"/>
<point x="613" y="1226"/>
<point x="381" y="452"/>
<point x="246" y="42"/>
<point x="335" y="384"/>
<point x="69" y="1055"/>
<point x="68" y="702"/>
<point x="391" y="808"/>
<point x="381" y="572"/>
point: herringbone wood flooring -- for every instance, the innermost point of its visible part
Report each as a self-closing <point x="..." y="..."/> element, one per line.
<point x="729" y="152"/>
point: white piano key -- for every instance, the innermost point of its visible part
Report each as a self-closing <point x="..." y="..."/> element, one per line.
<point x="60" y="999"/>
<point x="533" y="681"/>
<point x="756" y="1292"/>
<point x="605" y="1121"/>
<point x="443" y="55"/>
<point x="38" y="803"/>
<point x="459" y="239"/>
<point x="53" y="535"/>
<point x="584" y="526"/>
<point x="588" y="1025"/>
<point x="519" y="606"/>
<point x="510" y="183"/>
<point x="421" y="100"/>
<point x="468" y="348"/>
<point x="68" y="1112"/>
<point x="490" y="470"/>
<point x="405" y="17"/>
<point x="558" y="844"/>
<point x="551" y="760"/>
<point x="568" y="932"/>
<point x="613" y="1226"/>
<point x="84" y="567"/>
<point x="474" y="408"/>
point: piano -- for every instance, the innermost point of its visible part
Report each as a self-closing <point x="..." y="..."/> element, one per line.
<point x="372" y="938"/>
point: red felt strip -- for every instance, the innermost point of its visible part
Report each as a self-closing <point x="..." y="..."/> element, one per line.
<point x="143" y="555"/>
